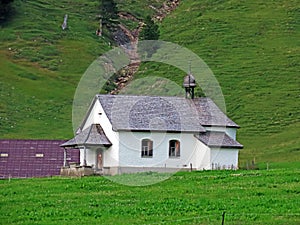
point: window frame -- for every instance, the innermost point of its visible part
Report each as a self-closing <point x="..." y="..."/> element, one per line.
<point x="146" y="148"/>
<point x="174" y="148"/>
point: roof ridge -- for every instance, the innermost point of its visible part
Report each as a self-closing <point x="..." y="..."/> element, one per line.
<point x="151" y="96"/>
<point x="88" y="134"/>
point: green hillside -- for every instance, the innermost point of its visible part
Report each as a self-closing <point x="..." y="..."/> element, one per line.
<point x="41" y="65"/>
<point x="251" y="46"/>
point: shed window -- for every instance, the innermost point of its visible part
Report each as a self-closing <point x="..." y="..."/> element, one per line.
<point x="174" y="148"/>
<point x="4" y="155"/>
<point x="147" y="148"/>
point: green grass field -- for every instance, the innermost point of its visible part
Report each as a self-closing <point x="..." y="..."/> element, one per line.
<point x="246" y="197"/>
<point x="251" y="46"/>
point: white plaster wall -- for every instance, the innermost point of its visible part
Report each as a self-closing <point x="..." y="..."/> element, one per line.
<point x="230" y="131"/>
<point x="202" y="157"/>
<point x="130" y="150"/>
<point x="225" y="157"/>
<point x="81" y="152"/>
<point x="111" y="154"/>
<point x="91" y="157"/>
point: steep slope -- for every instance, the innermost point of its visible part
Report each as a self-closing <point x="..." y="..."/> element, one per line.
<point x="253" y="49"/>
<point x="41" y="65"/>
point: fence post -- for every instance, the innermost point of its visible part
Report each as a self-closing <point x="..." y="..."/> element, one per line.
<point x="223" y="218"/>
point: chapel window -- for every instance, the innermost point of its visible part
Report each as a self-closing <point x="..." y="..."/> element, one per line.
<point x="174" y="148"/>
<point x="147" y="148"/>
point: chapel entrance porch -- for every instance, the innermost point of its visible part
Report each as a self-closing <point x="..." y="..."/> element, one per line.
<point x="92" y="143"/>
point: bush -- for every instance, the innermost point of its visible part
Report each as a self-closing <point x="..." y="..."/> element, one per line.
<point x="5" y="8"/>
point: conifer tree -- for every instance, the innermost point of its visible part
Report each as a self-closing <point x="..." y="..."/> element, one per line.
<point x="108" y="11"/>
<point x="5" y="7"/>
<point x="150" y="30"/>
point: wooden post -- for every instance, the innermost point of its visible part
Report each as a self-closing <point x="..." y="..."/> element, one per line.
<point x="84" y="156"/>
<point x="65" y="157"/>
<point x="223" y="218"/>
<point x="191" y="166"/>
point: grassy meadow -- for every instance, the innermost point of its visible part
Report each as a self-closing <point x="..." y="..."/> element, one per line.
<point x="246" y="197"/>
<point x="251" y="46"/>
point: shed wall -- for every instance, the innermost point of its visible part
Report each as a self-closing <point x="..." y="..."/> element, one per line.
<point x="33" y="158"/>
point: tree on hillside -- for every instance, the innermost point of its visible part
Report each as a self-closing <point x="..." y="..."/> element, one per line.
<point x="150" y="30"/>
<point x="5" y="7"/>
<point x="109" y="12"/>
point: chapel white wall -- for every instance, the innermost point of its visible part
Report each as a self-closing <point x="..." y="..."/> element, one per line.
<point x="203" y="156"/>
<point x="130" y="150"/>
<point x="98" y="116"/>
<point x="224" y="158"/>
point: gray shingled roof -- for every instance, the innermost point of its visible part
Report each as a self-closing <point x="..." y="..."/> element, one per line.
<point x="155" y="113"/>
<point x="93" y="135"/>
<point x="211" y="115"/>
<point x="218" y="139"/>
<point x="145" y="113"/>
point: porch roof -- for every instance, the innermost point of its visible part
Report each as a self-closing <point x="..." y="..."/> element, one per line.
<point x="218" y="140"/>
<point x="93" y="135"/>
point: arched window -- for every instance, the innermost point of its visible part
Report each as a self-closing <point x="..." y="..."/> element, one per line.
<point x="147" y="148"/>
<point x="174" y="148"/>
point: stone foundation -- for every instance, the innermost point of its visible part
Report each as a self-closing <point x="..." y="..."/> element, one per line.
<point x="76" y="171"/>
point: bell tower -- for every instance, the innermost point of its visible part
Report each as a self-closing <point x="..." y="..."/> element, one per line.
<point x="189" y="83"/>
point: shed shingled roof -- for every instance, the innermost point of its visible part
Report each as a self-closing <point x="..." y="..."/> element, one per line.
<point x="127" y="112"/>
<point x="218" y="139"/>
<point x="93" y="135"/>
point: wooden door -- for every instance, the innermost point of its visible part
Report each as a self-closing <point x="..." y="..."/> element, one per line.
<point x="99" y="159"/>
